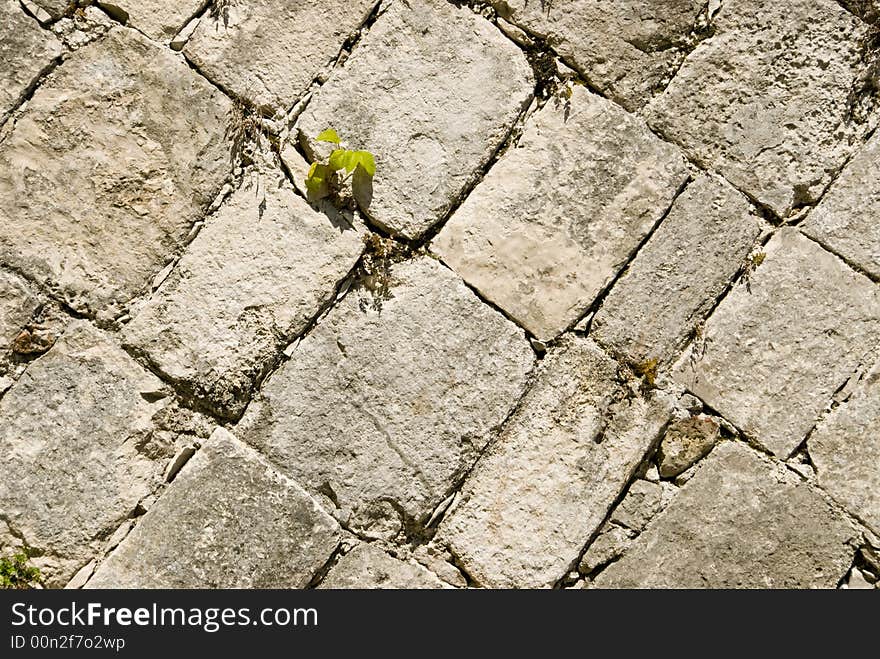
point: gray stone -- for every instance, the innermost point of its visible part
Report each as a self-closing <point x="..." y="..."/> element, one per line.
<point x="26" y="50"/>
<point x="432" y="91"/>
<point x="158" y="19"/>
<point x="676" y="277"/>
<point x="558" y="216"/>
<point x="382" y="410"/>
<point x="17" y="305"/>
<point x="846" y="218"/>
<point x="627" y="49"/>
<point x="369" y="567"/>
<point x="845" y="449"/>
<point x="641" y="503"/>
<point x="765" y="100"/>
<point x="546" y="485"/>
<point x="76" y="431"/>
<point x="777" y="349"/>
<point x="55" y="8"/>
<point x="857" y="580"/>
<point x="607" y="546"/>
<point x="269" y="51"/>
<point x="253" y="278"/>
<point x="740" y="522"/>
<point x="685" y="442"/>
<point x="229" y="520"/>
<point x="118" y="153"/>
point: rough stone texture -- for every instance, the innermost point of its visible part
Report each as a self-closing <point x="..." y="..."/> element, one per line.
<point x="55" y="8"/>
<point x="381" y="411"/>
<point x="17" y="304"/>
<point x="369" y="567"/>
<point x="26" y="50"/>
<point x="158" y="19"/>
<point x="846" y="219"/>
<point x="76" y="433"/>
<point x="845" y="449"/>
<point x="432" y="91"/>
<point x="778" y="348"/>
<point x="765" y="100"/>
<point x="627" y="49"/>
<point x="269" y="51"/>
<point x="557" y="217"/>
<point x="674" y="280"/>
<point x="641" y="503"/>
<point x="685" y="442"/>
<point x="229" y="520"/>
<point x="741" y="522"/>
<point x="254" y="277"/>
<point x="545" y="486"/>
<point x="118" y="154"/>
<point x="608" y="545"/>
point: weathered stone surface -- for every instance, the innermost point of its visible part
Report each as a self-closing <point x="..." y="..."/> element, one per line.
<point x="229" y="520"/>
<point x="845" y="449"/>
<point x="367" y="566"/>
<point x="765" y="100"/>
<point x="740" y="522"/>
<point x="253" y="278"/>
<point x="675" y="278"/>
<point x="55" y="8"/>
<point x="432" y="91"/>
<point x="557" y="217"/>
<point x="641" y="503"/>
<point x="627" y="49"/>
<point x="26" y="50"/>
<point x="381" y="411"/>
<point x="269" y="51"/>
<point x="607" y="546"/>
<point x="685" y="442"/>
<point x="17" y="304"/>
<point x="545" y="486"/>
<point x="119" y="152"/>
<point x="158" y="19"/>
<point x="76" y="436"/>
<point x="776" y="349"/>
<point x="846" y="219"/>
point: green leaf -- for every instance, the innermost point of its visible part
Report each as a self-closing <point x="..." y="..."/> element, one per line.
<point x="318" y="181"/>
<point x="366" y="160"/>
<point x="337" y="159"/>
<point x="328" y="135"/>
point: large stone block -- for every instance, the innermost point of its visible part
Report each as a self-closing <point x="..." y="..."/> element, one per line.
<point x="120" y="150"/>
<point x="78" y="449"/>
<point x="158" y="19"/>
<point x="228" y="520"/>
<point x="367" y="566"/>
<point x="740" y="522"/>
<point x="381" y="411"/>
<point x="766" y="100"/>
<point x="557" y="217"/>
<point x="777" y="348"/>
<point x="546" y="485"/>
<point x="253" y="278"/>
<point x="433" y="90"/>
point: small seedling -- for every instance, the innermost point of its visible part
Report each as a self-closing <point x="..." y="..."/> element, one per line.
<point x="15" y="573"/>
<point x="324" y="178"/>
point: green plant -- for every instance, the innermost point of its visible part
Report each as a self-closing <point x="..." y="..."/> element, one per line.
<point x="16" y="573"/>
<point x="324" y="177"/>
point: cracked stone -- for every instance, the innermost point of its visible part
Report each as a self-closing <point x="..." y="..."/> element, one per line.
<point x="26" y="50"/>
<point x="158" y="19"/>
<point x="17" y="305"/>
<point x="379" y="411"/>
<point x="608" y="545"/>
<point x="77" y="432"/>
<point x="687" y="441"/>
<point x="845" y="449"/>
<point x="642" y="501"/>
<point x="432" y="90"/>
<point x="740" y="522"/>
<point x="765" y="100"/>
<point x="557" y="217"/>
<point x="626" y="48"/>
<point x="269" y="51"/>
<point x="118" y="153"/>
<point x="530" y="506"/>
<point x="674" y="280"/>
<point x="368" y="567"/>
<point x="229" y="520"/>
<point x="778" y="348"/>
<point x="857" y="581"/>
<point x="846" y="218"/>
<point x="253" y="278"/>
<point x="55" y="8"/>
